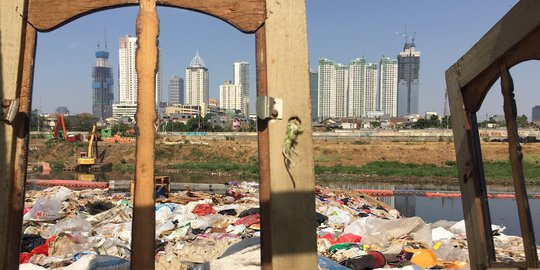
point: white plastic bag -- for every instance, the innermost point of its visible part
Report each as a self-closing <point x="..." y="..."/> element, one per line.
<point x="45" y="210"/>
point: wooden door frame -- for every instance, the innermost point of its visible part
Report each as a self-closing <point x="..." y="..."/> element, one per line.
<point x="287" y="202"/>
<point x="514" y="39"/>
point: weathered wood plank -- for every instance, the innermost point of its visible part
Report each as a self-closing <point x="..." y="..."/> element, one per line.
<point x="292" y="205"/>
<point x="143" y="232"/>
<point x="11" y="48"/>
<point x="483" y="57"/>
<point x="516" y="157"/>
<point x="22" y="127"/>
<point x="246" y="15"/>
<point x="263" y="143"/>
<point x="471" y="176"/>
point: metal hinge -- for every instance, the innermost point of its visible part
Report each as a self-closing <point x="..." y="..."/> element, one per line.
<point x="269" y="107"/>
<point x="10" y="107"/>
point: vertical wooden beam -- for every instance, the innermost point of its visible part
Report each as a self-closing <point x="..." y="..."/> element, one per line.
<point x="143" y="232"/>
<point x="471" y="176"/>
<point x="12" y="27"/>
<point x="516" y="157"/>
<point x="292" y="204"/>
<point x="22" y="128"/>
<point x="264" y="153"/>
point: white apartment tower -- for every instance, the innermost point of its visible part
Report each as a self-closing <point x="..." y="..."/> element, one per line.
<point x="327" y="89"/>
<point x="370" y="96"/>
<point x="357" y="86"/>
<point x="241" y="78"/>
<point x="342" y="90"/>
<point x="127" y="74"/>
<point x="197" y="83"/>
<point x="231" y="96"/>
<point x="388" y="86"/>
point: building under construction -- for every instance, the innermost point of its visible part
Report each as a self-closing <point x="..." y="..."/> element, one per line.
<point x="102" y="85"/>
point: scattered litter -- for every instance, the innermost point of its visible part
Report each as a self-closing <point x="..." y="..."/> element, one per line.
<point x="91" y="229"/>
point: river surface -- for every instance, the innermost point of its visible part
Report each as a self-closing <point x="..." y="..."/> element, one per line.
<point x="503" y="211"/>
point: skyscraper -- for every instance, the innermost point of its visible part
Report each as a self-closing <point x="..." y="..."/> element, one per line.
<point x="127" y="74"/>
<point x="357" y="86"/>
<point x="231" y="96"/>
<point x="102" y="85"/>
<point x="535" y="113"/>
<point x="371" y="88"/>
<point x="314" y="95"/>
<point x="241" y="78"/>
<point x="197" y="82"/>
<point x="408" y="79"/>
<point x="342" y="90"/>
<point x="327" y="89"/>
<point x="388" y="86"/>
<point x="176" y="90"/>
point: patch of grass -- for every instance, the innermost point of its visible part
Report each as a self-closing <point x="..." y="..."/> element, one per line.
<point x="124" y="168"/>
<point x="251" y="168"/>
<point x="360" y="142"/>
<point x="391" y="168"/>
<point x="56" y="165"/>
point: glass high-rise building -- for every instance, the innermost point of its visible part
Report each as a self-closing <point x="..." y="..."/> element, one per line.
<point x="408" y="79"/>
<point x="241" y="78"/>
<point x="388" y="86"/>
<point x="536" y="113"/>
<point x="314" y="94"/>
<point x="102" y="86"/>
<point x="176" y="90"/>
<point x="342" y="90"/>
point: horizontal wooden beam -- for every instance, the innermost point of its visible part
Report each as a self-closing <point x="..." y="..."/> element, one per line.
<point x="481" y="62"/>
<point x="246" y="15"/>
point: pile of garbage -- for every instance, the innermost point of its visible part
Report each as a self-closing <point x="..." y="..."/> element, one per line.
<point x="91" y="229"/>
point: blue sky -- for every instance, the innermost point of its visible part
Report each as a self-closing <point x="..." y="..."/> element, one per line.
<point x="337" y="29"/>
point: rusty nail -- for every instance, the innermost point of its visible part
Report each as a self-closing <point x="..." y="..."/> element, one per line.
<point x="275" y="113"/>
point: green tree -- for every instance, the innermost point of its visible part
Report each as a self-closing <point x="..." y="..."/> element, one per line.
<point x="522" y="121"/>
<point x="34" y="120"/>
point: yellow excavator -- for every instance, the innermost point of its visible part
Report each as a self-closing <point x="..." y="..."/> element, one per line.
<point x="89" y="158"/>
<point x="89" y="161"/>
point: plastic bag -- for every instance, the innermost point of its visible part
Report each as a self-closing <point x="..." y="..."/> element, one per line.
<point x="380" y="231"/>
<point x="338" y="216"/>
<point x="75" y="225"/>
<point x="45" y="210"/>
<point x="440" y="233"/>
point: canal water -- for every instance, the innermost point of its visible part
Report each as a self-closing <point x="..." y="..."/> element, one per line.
<point x="503" y="211"/>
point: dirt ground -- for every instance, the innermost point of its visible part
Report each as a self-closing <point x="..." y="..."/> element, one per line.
<point x="326" y="152"/>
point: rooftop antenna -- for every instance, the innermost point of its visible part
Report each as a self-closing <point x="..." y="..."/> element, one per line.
<point x="105" y="30"/>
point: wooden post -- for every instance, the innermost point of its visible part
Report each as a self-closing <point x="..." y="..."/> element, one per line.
<point x="471" y="176"/>
<point x="291" y="209"/>
<point x="264" y="154"/>
<point x="516" y="157"/>
<point x="22" y="128"/>
<point x="12" y="29"/>
<point x="143" y="232"/>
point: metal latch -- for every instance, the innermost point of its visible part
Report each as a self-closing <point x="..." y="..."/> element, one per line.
<point x="10" y="107"/>
<point x="269" y="107"/>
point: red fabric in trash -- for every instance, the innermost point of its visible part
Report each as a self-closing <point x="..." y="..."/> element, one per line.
<point x="349" y="238"/>
<point x="42" y="249"/>
<point x="203" y="210"/>
<point x="248" y="220"/>
<point x="330" y="238"/>
<point x="25" y="257"/>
